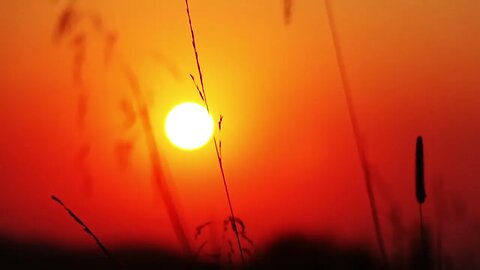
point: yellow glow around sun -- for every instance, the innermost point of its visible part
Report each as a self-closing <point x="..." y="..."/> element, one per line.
<point x="189" y="126"/>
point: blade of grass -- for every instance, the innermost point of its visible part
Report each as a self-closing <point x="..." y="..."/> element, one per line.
<point x="356" y="131"/>
<point x="157" y="169"/>
<point x="85" y="228"/>
<point x="65" y="26"/>
<point x="217" y="148"/>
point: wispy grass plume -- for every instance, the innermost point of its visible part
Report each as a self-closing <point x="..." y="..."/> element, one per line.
<point x="65" y="21"/>
<point x="356" y="131"/>
<point x="74" y="26"/>
<point x="68" y="28"/>
<point x="203" y="96"/>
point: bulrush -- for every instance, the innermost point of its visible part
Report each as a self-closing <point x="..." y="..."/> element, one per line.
<point x="419" y="172"/>
<point x="420" y="191"/>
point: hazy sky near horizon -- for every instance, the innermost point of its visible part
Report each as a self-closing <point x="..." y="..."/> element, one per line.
<point x="288" y="148"/>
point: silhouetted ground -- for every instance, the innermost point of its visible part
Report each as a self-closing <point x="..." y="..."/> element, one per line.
<point x="287" y="252"/>
<point x="297" y="252"/>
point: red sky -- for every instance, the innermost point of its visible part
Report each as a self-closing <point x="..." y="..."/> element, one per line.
<point x="288" y="148"/>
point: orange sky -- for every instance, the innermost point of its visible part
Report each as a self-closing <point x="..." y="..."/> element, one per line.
<point x="288" y="147"/>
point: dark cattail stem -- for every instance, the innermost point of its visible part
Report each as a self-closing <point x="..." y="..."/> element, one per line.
<point x="439" y="247"/>
<point x="356" y="132"/>
<point x="422" y="232"/>
<point x="439" y="216"/>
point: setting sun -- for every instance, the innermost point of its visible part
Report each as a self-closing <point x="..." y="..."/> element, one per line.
<point x="189" y="126"/>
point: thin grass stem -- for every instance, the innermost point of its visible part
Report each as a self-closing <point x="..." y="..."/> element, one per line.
<point x="85" y="228"/>
<point x="356" y="131"/>
<point x="157" y="169"/>
<point x="217" y="151"/>
<point x="422" y="231"/>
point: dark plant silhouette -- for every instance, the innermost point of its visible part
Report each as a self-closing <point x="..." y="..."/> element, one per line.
<point x="356" y="131"/>
<point x="419" y="173"/>
<point x="420" y="192"/>
<point x="84" y="227"/>
<point x="157" y="169"/>
<point x="203" y="96"/>
<point x="68" y="29"/>
<point x="136" y="109"/>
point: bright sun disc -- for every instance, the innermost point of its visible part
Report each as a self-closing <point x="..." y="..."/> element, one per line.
<point x="189" y="126"/>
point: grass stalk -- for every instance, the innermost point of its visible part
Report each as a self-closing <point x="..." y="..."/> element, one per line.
<point x="85" y="228"/>
<point x="356" y="131"/>
<point x="66" y="26"/>
<point x="157" y="169"/>
<point x="217" y="148"/>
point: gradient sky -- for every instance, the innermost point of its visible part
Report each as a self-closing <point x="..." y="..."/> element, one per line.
<point x="288" y="148"/>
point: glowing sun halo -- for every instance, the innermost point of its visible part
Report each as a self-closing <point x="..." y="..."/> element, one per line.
<point x="189" y="126"/>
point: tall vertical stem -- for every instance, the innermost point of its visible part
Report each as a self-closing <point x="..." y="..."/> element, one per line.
<point x="156" y="164"/>
<point x="422" y="233"/>
<point x="233" y="220"/>
<point x="217" y="151"/>
<point x="356" y="132"/>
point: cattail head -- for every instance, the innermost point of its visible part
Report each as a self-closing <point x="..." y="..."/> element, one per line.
<point x="419" y="172"/>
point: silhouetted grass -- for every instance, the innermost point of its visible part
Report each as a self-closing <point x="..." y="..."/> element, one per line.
<point x="85" y="228"/>
<point x="66" y="29"/>
<point x="290" y="251"/>
<point x="356" y="132"/>
<point x="156" y="165"/>
<point x="203" y="96"/>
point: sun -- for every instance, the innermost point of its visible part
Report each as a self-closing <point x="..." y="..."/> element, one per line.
<point x="189" y="126"/>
